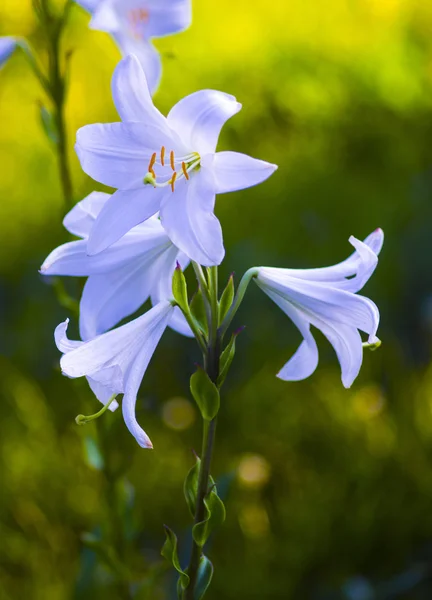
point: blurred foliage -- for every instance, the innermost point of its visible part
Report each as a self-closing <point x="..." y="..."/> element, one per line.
<point x="328" y="491"/>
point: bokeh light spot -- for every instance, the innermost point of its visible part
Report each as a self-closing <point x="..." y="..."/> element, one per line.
<point x="253" y="470"/>
<point x="178" y="413"/>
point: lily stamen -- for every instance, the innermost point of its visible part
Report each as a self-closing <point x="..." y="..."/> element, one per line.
<point x="173" y="178"/>
<point x="172" y="160"/>
<point x="186" y="174"/>
<point x="162" y="155"/>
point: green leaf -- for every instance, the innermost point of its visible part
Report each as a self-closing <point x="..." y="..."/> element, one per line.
<point x="179" y="289"/>
<point x="190" y="486"/>
<point x="227" y="357"/>
<point x="215" y="516"/>
<point x="204" y="577"/>
<point x="169" y="551"/>
<point x="226" y="300"/>
<point x="205" y="394"/>
<point x="49" y="125"/>
<point x="197" y="308"/>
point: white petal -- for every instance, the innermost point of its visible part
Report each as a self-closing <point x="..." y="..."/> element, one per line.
<point x="7" y="46"/>
<point x="63" y="343"/>
<point x="118" y="154"/>
<point x="81" y="218"/>
<point x="123" y="211"/>
<point x="198" y="118"/>
<point x="167" y="17"/>
<point x="117" y="347"/>
<point x="188" y="218"/>
<point x="102" y="392"/>
<point x="348" y="346"/>
<point x="110" y="297"/>
<point x="130" y="85"/>
<point x="234" y="171"/>
<point x="105" y="18"/>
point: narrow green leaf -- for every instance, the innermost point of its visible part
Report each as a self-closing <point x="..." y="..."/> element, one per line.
<point x="179" y="288"/>
<point x="205" y="394"/>
<point x="226" y="300"/>
<point x="49" y="125"/>
<point x="197" y="308"/>
<point x="227" y="357"/>
<point x="204" y="577"/>
<point x="215" y="516"/>
<point x="169" y="551"/>
<point x="190" y="486"/>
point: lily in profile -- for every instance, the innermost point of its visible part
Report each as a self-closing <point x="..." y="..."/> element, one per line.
<point x="134" y="23"/>
<point x="140" y="265"/>
<point x="165" y="164"/>
<point x="327" y="299"/>
<point x="115" y="362"/>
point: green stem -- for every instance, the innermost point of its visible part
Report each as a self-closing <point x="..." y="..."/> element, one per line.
<point x="209" y="430"/>
<point x="83" y="419"/>
<point x="241" y="291"/>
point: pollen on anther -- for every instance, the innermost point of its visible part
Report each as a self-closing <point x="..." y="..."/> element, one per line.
<point x="172" y="160"/>
<point x="152" y="162"/>
<point x="173" y="178"/>
<point x="186" y="174"/>
<point x="162" y="155"/>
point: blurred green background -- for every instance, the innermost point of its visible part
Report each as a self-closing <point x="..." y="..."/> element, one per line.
<point x="328" y="491"/>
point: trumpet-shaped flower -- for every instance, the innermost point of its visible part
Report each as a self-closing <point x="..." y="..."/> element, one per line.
<point x="326" y="298"/>
<point x="133" y="24"/>
<point x="115" y="362"/>
<point x="140" y="265"/>
<point x="7" y="46"/>
<point x="165" y="164"/>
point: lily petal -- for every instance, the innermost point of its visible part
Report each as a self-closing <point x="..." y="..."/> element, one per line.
<point x="168" y="16"/>
<point x="199" y="117"/>
<point x="189" y="220"/>
<point x="117" y="154"/>
<point x="7" y="46"/>
<point x="235" y="171"/>
<point x="80" y="219"/>
<point x="130" y="84"/>
<point x="121" y="213"/>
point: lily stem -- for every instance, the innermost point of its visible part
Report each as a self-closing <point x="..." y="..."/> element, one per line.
<point x="211" y="362"/>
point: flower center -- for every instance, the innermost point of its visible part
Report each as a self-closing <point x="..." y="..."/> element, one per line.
<point x="136" y="18"/>
<point x="181" y="168"/>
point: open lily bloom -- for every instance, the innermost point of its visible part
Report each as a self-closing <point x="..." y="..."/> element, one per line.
<point x="165" y="164"/>
<point x="115" y="362"/>
<point x="140" y="265"/>
<point x="326" y="298"/>
<point x="7" y="46"/>
<point x="133" y="23"/>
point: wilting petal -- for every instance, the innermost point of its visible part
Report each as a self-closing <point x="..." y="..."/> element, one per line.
<point x="130" y="86"/>
<point x="7" y="46"/>
<point x="188" y="218"/>
<point x="234" y="171"/>
<point x="198" y="118"/>
<point x="110" y="297"/>
<point x="80" y="219"/>
<point x="121" y="213"/>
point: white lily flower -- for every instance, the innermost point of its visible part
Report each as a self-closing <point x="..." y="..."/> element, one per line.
<point x="134" y="23"/>
<point x="166" y="165"/>
<point x="326" y="298"/>
<point x="115" y="362"/>
<point x="140" y="265"/>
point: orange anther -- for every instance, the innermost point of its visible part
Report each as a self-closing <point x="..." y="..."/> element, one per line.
<point x="151" y="170"/>
<point x="143" y="14"/>
<point x="172" y="160"/>
<point x="152" y="162"/>
<point x="173" y="178"/>
<point x="186" y="174"/>
<point x="163" y="156"/>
